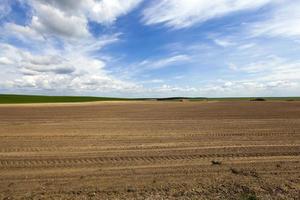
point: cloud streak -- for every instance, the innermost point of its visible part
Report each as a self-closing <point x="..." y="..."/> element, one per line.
<point x="165" y="62"/>
<point x="182" y="14"/>
<point x="284" y="22"/>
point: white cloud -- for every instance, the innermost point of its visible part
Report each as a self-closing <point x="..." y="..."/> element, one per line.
<point x="223" y="43"/>
<point x="269" y="63"/>
<point x="4" y="8"/>
<point x="175" y="89"/>
<point x="29" y="64"/>
<point x="54" y="69"/>
<point x="101" y="11"/>
<point x="272" y="75"/>
<point x="5" y="61"/>
<point x="69" y="18"/>
<point x="248" y="88"/>
<point x="70" y="84"/>
<point x="284" y="21"/>
<point x="21" y="32"/>
<point x="185" y="13"/>
<point x="107" y="11"/>
<point x="68" y="6"/>
<point x="166" y="90"/>
<point x="165" y="62"/>
<point x="59" y="54"/>
<point x="246" y="46"/>
<point x="154" y="81"/>
<point x="271" y="68"/>
<point x="52" y="21"/>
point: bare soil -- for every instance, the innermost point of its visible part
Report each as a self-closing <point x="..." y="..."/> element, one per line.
<point x="150" y="150"/>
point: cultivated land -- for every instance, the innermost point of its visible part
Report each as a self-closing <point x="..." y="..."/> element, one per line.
<point x="154" y="150"/>
<point x="21" y="99"/>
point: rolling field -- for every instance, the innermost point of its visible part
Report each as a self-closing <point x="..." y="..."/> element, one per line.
<point x="151" y="150"/>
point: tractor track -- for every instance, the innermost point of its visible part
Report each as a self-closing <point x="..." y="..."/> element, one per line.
<point x="89" y="161"/>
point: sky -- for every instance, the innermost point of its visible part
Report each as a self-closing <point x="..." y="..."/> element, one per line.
<point x="150" y="48"/>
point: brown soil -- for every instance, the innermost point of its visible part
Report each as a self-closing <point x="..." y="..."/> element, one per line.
<point x="150" y="150"/>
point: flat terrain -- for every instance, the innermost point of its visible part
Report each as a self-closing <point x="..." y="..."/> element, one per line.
<point x="21" y="99"/>
<point x="151" y="150"/>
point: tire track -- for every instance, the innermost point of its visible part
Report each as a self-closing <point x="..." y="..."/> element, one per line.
<point x="168" y="169"/>
<point x="176" y="149"/>
<point x="124" y="140"/>
<point x="167" y="134"/>
<point x="127" y="160"/>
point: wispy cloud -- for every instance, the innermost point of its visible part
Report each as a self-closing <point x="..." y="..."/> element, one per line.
<point x="283" y="21"/>
<point x="181" y="14"/>
<point x="4" y="8"/>
<point x="164" y="62"/>
<point x="223" y="43"/>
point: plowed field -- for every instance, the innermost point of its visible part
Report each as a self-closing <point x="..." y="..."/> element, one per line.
<point x="150" y="150"/>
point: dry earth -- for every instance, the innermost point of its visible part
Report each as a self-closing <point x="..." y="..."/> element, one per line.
<point x="150" y="150"/>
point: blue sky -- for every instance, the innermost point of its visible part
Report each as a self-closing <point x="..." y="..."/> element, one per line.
<point x="155" y="48"/>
